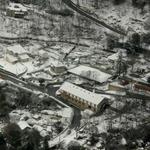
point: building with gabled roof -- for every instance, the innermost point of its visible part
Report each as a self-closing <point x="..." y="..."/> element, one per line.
<point x="82" y="98"/>
<point x="90" y="73"/>
<point x="16" y="53"/>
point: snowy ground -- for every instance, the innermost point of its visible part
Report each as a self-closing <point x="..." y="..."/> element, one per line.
<point x="50" y="29"/>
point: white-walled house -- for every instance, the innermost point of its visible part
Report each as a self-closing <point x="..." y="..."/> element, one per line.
<point x="16" y="53"/>
<point x="57" y="67"/>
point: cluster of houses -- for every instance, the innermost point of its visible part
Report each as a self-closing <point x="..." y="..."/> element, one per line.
<point x="77" y="94"/>
<point x="81" y="97"/>
<point x="86" y="99"/>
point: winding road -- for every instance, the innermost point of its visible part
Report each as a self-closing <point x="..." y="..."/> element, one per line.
<point x="76" y="117"/>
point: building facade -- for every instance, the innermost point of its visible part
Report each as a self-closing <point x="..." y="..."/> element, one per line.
<point x="16" y="10"/>
<point x="82" y="98"/>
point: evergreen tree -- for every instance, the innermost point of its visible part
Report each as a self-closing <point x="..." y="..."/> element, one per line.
<point x="12" y="132"/>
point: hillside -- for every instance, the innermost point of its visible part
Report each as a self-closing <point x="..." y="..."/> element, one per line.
<point x="74" y="74"/>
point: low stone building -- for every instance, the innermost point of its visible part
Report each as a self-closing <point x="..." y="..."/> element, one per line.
<point x="82" y="98"/>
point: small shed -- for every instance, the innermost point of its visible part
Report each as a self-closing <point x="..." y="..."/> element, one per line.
<point x="113" y="57"/>
<point x="58" y="67"/>
<point x="23" y="125"/>
<point x="16" y="50"/>
<point x="23" y="58"/>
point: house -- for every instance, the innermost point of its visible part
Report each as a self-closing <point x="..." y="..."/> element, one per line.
<point x="43" y="54"/>
<point x="16" y="53"/>
<point x="82" y="98"/>
<point x="23" y="58"/>
<point x="12" y="59"/>
<point x="57" y="67"/>
<point x="23" y="125"/>
<point x="16" y="10"/>
<point x="90" y="73"/>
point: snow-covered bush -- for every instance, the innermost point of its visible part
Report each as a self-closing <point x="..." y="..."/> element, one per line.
<point x="73" y="145"/>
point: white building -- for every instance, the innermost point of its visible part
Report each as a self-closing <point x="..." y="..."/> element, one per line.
<point x="43" y="54"/>
<point x="16" y="10"/>
<point x="16" y="53"/>
<point x="90" y="73"/>
<point x="57" y="67"/>
<point x="82" y="98"/>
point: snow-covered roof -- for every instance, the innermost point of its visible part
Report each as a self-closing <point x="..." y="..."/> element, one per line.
<point x="55" y="55"/>
<point x="23" y="125"/>
<point x="66" y="49"/>
<point x="57" y="64"/>
<point x="16" y="49"/>
<point x="24" y="56"/>
<point x="114" y="56"/>
<point x="17" y="7"/>
<point x="11" y="58"/>
<point x="42" y="52"/>
<point x="90" y="73"/>
<point x="82" y="93"/>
